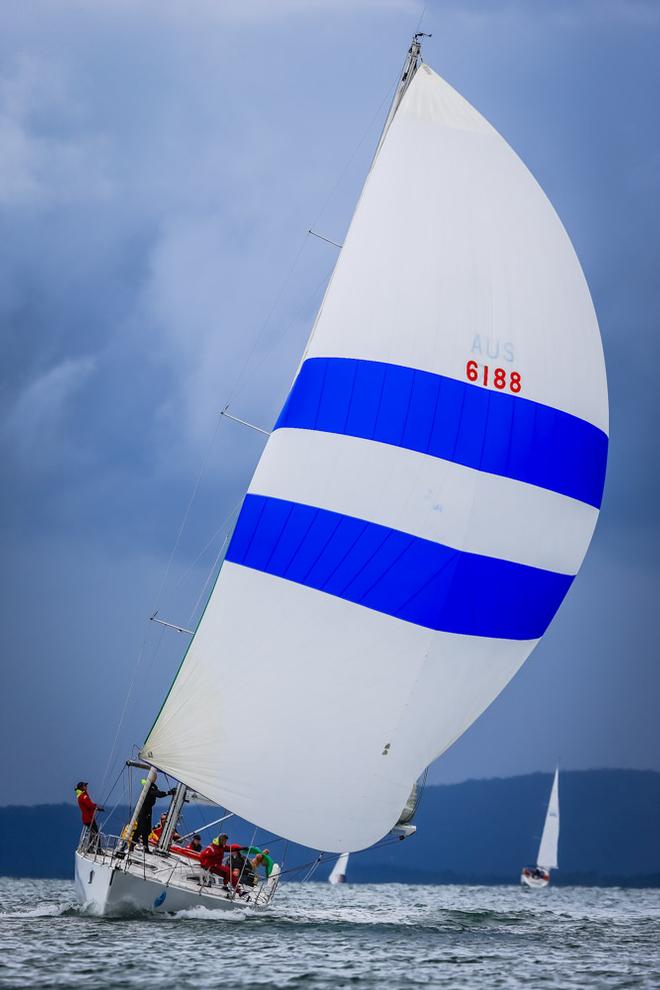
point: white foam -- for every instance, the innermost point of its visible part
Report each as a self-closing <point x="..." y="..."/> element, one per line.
<point x="42" y="911"/>
<point x="201" y="913"/>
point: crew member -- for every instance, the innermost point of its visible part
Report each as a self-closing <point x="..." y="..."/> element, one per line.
<point x="240" y="868"/>
<point x="195" y="844"/>
<point x="88" y="809"/>
<point x="212" y="856"/>
<point x="143" y="823"/>
<point x="157" y="830"/>
<point x="258" y="862"/>
<point x="249" y="875"/>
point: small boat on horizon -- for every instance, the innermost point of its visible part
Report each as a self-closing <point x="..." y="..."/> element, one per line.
<point x="338" y="872"/>
<point x="547" y="858"/>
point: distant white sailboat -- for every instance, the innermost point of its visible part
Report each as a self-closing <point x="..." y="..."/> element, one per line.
<point x="417" y="516"/>
<point x="546" y="860"/>
<point x="338" y="874"/>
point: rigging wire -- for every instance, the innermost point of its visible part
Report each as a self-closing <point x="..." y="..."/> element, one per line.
<point x="138" y="663"/>
<point x="198" y="481"/>
<point x="260" y="334"/>
<point x="292" y="323"/>
<point x="312" y="869"/>
<point x="227" y="521"/>
<point x="107" y="798"/>
<point x="386" y="98"/>
<point x="312" y="864"/>
<point x="214" y="570"/>
<point x="112" y="755"/>
<point x="245" y="862"/>
<point x="147" y="674"/>
<point x="287" y="278"/>
<point x="227" y="524"/>
<point x="258" y="339"/>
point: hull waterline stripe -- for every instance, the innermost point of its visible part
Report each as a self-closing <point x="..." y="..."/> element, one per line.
<point x="478" y="427"/>
<point x="404" y="576"/>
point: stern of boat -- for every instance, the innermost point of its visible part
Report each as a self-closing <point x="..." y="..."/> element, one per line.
<point x="528" y="879"/>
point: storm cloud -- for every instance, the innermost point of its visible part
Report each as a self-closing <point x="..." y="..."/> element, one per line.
<point x="160" y="165"/>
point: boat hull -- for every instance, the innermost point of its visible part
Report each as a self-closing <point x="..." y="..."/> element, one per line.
<point x="527" y="879"/>
<point x="112" y="887"/>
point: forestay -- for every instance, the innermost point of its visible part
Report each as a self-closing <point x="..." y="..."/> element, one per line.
<point x="422" y="506"/>
<point x="547" y="857"/>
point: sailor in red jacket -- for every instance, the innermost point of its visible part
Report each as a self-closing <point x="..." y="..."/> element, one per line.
<point x="211" y="858"/>
<point x="87" y="807"/>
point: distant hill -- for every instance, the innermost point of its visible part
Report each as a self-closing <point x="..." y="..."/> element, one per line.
<point x="484" y="831"/>
<point x="480" y="831"/>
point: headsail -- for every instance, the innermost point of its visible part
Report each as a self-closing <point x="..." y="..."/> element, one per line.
<point x="422" y="506"/>
<point x="547" y="857"/>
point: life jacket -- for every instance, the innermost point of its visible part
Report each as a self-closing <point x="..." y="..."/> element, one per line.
<point x="214" y="853"/>
<point x="86" y="805"/>
<point x="211" y="857"/>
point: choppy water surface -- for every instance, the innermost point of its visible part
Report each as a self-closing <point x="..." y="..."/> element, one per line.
<point x="318" y="936"/>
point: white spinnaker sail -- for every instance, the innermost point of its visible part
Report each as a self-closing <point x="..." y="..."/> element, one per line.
<point x="417" y="516"/>
<point x="547" y="857"/>
<point x="338" y="872"/>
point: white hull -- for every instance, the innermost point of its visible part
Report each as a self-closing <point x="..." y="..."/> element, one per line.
<point x="535" y="882"/>
<point x="107" y="885"/>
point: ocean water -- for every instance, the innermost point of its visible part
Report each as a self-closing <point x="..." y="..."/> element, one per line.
<point x="317" y="936"/>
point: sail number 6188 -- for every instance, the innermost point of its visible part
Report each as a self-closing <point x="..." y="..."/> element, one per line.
<point x="495" y="377"/>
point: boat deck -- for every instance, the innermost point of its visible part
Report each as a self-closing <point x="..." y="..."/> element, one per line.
<point x="172" y="871"/>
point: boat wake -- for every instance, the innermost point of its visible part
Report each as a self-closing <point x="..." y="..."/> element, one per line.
<point x="201" y="913"/>
<point x="70" y="909"/>
<point x="316" y="916"/>
<point x="63" y="910"/>
<point x="394" y="917"/>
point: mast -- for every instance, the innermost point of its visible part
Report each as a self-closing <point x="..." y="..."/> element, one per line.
<point x="172" y="819"/>
<point x="150" y="779"/>
<point x="410" y="67"/>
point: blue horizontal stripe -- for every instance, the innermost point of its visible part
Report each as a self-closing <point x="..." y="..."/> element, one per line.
<point x="405" y="576"/>
<point x="481" y="428"/>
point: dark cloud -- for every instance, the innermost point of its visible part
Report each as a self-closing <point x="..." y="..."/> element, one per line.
<point x="159" y="167"/>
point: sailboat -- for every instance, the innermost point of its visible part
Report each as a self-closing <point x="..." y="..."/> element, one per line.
<point x="546" y="860"/>
<point x="418" y="513"/>
<point x="338" y="872"/>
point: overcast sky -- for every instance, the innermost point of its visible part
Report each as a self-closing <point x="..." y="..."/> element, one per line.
<point x="160" y="163"/>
